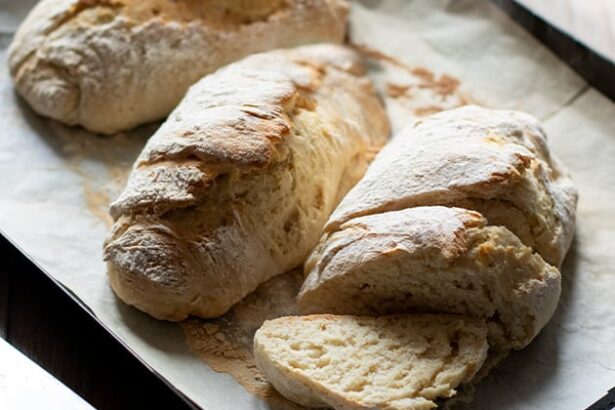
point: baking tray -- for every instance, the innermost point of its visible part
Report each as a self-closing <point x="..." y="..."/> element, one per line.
<point x="57" y="182"/>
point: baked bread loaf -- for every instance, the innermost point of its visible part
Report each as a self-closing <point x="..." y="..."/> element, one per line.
<point x="495" y="162"/>
<point x="433" y="259"/>
<point x="109" y="65"/>
<point x="347" y="362"/>
<point x="237" y="184"/>
<point x="392" y="247"/>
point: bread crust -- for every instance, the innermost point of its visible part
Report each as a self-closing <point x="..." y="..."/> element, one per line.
<point x="236" y="185"/>
<point x="494" y="161"/>
<point x="110" y="65"/>
<point x="408" y="238"/>
<point x="433" y="259"/>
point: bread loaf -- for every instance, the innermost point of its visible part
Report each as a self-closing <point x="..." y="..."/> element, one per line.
<point x="433" y="259"/>
<point x="345" y="362"/>
<point x="392" y="247"/>
<point x="109" y="65"/>
<point x="492" y="161"/>
<point x="237" y="184"/>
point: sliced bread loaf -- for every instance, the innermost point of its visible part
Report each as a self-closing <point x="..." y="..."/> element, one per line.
<point x="349" y="362"/>
<point x="433" y="259"/>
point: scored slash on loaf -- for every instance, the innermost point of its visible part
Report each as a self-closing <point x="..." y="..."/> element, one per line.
<point x="237" y="184"/>
<point x="110" y="65"/>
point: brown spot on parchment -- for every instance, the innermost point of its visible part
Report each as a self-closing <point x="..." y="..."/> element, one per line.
<point x="375" y="54"/>
<point x="397" y="90"/>
<point x="426" y="75"/>
<point x="96" y="200"/>
<point x="84" y="154"/>
<point x="118" y="174"/>
<point x="225" y="344"/>
<point x="445" y="85"/>
<point x="415" y="90"/>
<point x="97" y="203"/>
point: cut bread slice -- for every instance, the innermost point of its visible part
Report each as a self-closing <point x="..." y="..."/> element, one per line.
<point x="388" y="362"/>
<point x="438" y="260"/>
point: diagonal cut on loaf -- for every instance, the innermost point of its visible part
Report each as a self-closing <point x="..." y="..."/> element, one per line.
<point x="433" y="259"/>
<point x="237" y="184"/>
<point x="493" y="161"/>
<point x="392" y="362"/>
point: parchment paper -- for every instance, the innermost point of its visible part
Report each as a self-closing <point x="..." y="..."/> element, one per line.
<point x="56" y="182"/>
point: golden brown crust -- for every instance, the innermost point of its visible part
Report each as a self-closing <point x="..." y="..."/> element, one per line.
<point x="433" y="259"/>
<point x="220" y="14"/>
<point x="493" y="161"/>
<point x="210" y="11"/>
<point x="109" y="65"/>
<point x="236" y="185"/>
<point x="237" y="121"/>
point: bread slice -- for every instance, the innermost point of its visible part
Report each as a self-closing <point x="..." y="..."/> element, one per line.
<point x="237" y="184"/>
<point x="349" y="362"/>
<point x="109" y="65"/>
<point x="433" y="259"/>
<point x="493" y="161"/>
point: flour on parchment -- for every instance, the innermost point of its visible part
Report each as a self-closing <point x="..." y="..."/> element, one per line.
<point x="225" y="344"/>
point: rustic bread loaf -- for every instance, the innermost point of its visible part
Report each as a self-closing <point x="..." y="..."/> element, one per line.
<point x="347" y="362"/>
<point x="110" y="65"/>
<point x="237" y="184"/>
<point x="492" y="161"/>
<point x="433" y="259"/>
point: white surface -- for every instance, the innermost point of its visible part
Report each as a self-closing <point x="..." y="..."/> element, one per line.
<point x="24" y="385"/>
<point x="47" y="171"/>
<point x="592" y="22"/>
